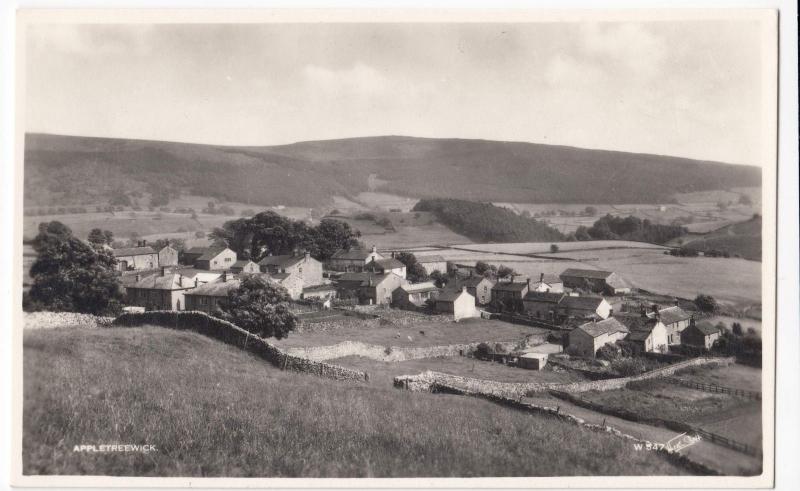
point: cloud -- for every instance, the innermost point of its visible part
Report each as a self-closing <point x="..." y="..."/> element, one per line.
<point x="86" y="39"/>
<point x="359" y="79"/>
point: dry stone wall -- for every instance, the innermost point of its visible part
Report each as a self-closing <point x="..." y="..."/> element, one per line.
<point x="386" y="353"/>
<point x="231" y="334"/>
<point x="426" y="381"/>
<point x="68" y="320"/>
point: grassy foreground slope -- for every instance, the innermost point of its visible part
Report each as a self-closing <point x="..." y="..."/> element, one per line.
<point x="213" y="410"/>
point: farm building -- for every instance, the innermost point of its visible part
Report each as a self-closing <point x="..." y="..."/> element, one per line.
<point x="353" y="260"/>
<point x="159" y="291"/>
<point x="532" y="361"/>
<point x="189" y="256"/>
<point x="369" y="288"/>
<point x="510" y="293"/>
<point x="319" y="291"/>
<point x="414" y="295"/>
<point x="290" y="281"/>
<point x="646" y="334"/>
<point x="675" y="319"/>
<point x="245" y="266"/>
<point x="213" y="259"/>
<point x="478" y="286"/>
<point x="302" y="265"/>
<point x="584" y="306"/>
<point x="138" y="258"/>
<point x="591" y="336"/>
<point x="208" y="297"/>
<point x="460" y="304"/>
<point x="553" y="306"/>
<point x="459" y="269"/>
<point x="595" y="281"/>
<point x="433" y="263"/>
<point x="388" y="265"/>
<point x="167" y="256"/>
<point x="547" y="283"/>
<point x="542" y="305"/>
<point x="700" y="335"/>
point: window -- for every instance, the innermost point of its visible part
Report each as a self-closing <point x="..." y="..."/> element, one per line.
<point x="227" y="259"/>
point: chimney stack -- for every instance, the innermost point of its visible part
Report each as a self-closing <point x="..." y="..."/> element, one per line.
<point x="144" y="243"/>
<point x="224" y="276"/>
<point x="529" y="283"/>
<point x="163" y="270"/>
<point x="308" y="255"/>
<point x="464" y="288"/>
<point x="196" y="282"/>
<point x="541" y="277"/>
<point x="374" y="249"/>
<point x="138" y="277"/>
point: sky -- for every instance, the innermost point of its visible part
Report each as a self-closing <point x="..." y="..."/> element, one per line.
<point x="683" y="88"/>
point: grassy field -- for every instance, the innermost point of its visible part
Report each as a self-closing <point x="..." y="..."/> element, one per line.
<point x="437" y="333"/>
<point x="731" y="417"/>
<point x="731" y="281"/>
<point x="383" y="373"/>
<point x="736" y="376"/>
<point x="213" y="410"/>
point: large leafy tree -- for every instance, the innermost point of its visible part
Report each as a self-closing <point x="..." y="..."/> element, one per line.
<point x="260" y="307"/>
<point x="70" y="275"/>
<point x="415" y="272"/>
<point x="267" y="232"/>
<point x="100" y="237"/>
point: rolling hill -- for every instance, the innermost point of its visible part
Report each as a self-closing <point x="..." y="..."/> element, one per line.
<point x="64" y="170"/>
<point x="742" y="239"/>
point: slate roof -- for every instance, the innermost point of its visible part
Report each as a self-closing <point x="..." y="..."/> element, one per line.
<point x="450" y="296"/>
<point x="471" y="281"/>
<point x="170" y="281"/>
<point x="211" y="253"/>
<point x="548" y="279"/>
<point x="586" y="273"/>
<point x="363" y="278"/>
<point x="133" y="251"/>
<point x="426" y="286"/>
<point x="639" y="335"/>
<point x="283" y="261"/>
<point x="319" y="288"/>
<point x="352" y="254"/>
<point x="507" y="286"/>
<point x="607" y="326"/>
<point x="636" y="322"/>
<point x="430" y="259"/>
<point x="215" y="289"/>
<point x="241" y="263"/>
<point x="550" y="297"/>
<point x="706" y="328"/>
<point x="670" y="315"/>
<point x="581" y="303"/>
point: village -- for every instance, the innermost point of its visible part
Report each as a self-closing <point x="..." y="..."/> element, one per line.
<point x="586" y="309"/>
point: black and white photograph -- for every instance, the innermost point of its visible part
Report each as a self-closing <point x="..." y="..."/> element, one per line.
<point x="285" y="246"/>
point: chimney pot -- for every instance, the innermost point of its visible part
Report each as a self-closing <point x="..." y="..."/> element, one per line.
<point x="144" y="242"/>
<point x="541" y="277"/>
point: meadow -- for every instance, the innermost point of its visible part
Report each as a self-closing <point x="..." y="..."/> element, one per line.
<point x="213" y="410"/>
<point x="733" y="282"/>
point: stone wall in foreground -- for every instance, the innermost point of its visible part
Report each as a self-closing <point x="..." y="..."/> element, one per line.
<point x="231" y="334"/>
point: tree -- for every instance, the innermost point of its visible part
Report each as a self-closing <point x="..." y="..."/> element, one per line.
<point x="553" y="248"/>
<point x="737" y="329"/>
<point x="415" y="272"/>
<point x="745" y="200"/>
<point x="99" y="237"/>
<point x="505" y="272"/>
<point x="70" y="275"/>
<point x="260" y="307"/>
<point x="706" y="303"/>
<point x="438" y="278"/>
<point x="590" y="211"/>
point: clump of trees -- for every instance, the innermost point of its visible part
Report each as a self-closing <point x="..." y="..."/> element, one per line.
<point x="415" y="272"/>
<point x="610" y="227"/>
<point x="260" y="307"/>
<point x="70" y="275"/>
<point x="268" y="232"/>
<point x="100" y="237"/>
<point x="706" y="303"/>
<point x="485" y="222"/>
